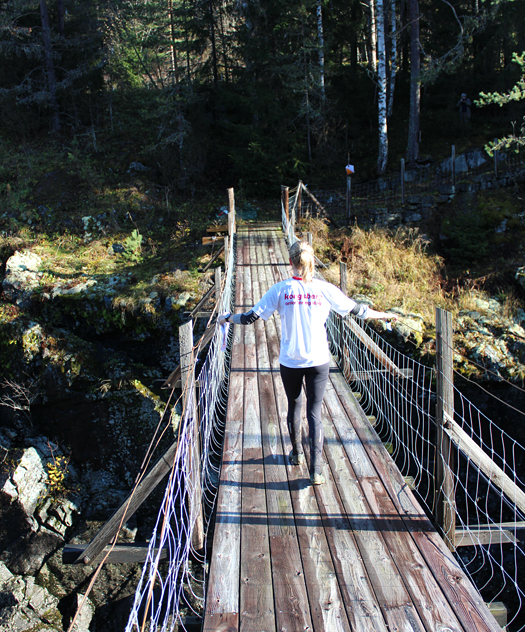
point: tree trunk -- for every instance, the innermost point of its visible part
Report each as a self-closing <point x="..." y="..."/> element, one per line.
<point x="50" y="67"/>
<point x="321" y="48"/>
<point x="173" y="53"/>
<point x="372" y="51"/>
<point x="60" y="13"/>
<point x="224" y="43"/>
<point x="415" y="86"/>
<point x="213" y="47"/>
<point x="381" y="70"/>
<point x="393" y="57"/>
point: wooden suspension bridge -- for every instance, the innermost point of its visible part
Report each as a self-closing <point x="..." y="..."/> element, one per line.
<point x="355" y="554"/>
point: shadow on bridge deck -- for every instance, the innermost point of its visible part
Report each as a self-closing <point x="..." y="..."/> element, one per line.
<point x="355" y="554"/>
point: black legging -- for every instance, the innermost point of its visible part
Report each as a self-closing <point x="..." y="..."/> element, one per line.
<point x="315" y="378"/>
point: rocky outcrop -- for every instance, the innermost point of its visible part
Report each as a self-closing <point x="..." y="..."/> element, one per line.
<point x="493" y="340"/>
<point x="26" y="606"/>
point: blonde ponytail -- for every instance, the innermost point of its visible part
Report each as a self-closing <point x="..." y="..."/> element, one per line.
<point x="302" y="258"/>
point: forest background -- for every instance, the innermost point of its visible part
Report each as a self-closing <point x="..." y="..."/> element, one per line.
<point x="248" y="94"/>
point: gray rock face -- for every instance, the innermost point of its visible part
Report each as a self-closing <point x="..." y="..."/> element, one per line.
<point x="22" y="275"/>
<point x="26" y="606"/>
<point x="29" y="481"/>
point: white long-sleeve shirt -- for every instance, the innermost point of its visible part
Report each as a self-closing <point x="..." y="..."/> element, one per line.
<point x="304" y="309"/>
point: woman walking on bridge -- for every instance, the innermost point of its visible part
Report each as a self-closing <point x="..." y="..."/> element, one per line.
<point x="304" y="304"/>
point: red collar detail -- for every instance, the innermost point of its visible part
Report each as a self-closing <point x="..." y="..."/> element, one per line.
<point x="298" y="278"/>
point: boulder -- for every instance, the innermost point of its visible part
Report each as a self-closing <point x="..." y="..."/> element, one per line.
<point x="22" y="276"/>
<point x="25" y="606"/>
<point x="30" y="480"/>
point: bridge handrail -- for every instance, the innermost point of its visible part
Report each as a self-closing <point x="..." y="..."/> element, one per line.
<point x="192" y="485"/>
<point x="488" y="494"/>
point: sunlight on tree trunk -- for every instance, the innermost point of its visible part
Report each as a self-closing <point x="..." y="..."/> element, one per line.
<point x="173" y="54"/>
<point x="382" y="158"/>
<point x="415" y="83"/>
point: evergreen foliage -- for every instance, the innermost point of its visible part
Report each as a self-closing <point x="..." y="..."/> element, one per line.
<point x="222" y="91"/>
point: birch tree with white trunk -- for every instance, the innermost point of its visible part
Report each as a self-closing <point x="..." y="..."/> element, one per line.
<point x="320" y="38"/>
<point x="372" y="42"/>
<point x="382" y="158"/>
<point x="393" y="58"/>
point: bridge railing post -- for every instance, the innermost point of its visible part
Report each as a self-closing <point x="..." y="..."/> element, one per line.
<point x="343" y="285"/>
<point x="348" y="200"/>
<point x="444" y="498"/>
<point x="231" y="213"/>
<point x="285" y="197"/>
<point x="189" y="399"/>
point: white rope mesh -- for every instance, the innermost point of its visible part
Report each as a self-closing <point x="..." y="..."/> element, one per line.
<point x="489" y="496"/>
<point x="168" y="589"/>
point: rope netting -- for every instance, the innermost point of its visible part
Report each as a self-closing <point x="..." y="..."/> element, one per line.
<point x="483" y="465"/>
<point x="172" y="589"/>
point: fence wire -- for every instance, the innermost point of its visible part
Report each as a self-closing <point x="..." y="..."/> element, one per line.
<point x="398" y="395"/>
<point x="400" y="196"/>
<point x="171" y="590"/>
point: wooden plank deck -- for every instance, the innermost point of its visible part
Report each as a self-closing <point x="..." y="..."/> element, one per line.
<point x="355" y="554"/>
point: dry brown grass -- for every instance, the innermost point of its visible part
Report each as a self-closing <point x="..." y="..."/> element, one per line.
<point x="393" y="269"/>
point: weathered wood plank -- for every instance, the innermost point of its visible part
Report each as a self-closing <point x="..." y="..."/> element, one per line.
<point x="287" y="569"/>
<point x="257" y="607"/>
<point x="468" y="605"/>
<point x="344" y="454"/>
<point x="223" y="595"/>
<point x="327" y="608"/>
<point x="122" y="553"/>
<point x="221" y="622"/>
<point x="128" y="508"/>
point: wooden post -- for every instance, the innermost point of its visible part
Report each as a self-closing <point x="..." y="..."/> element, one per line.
<point x="445" y="503"/>
<point x="343" y="284"/>
<point x="231" y="213"/>
<point x="343" y="279"/>
<point x="189" y="399"/>
<point x="309" y="238"/>
<point x="218" y="283"/>
<point x="348" y="199"/>
<point x="285" y="199"/>
<point x="402" y="181"/>
<point x="300" y="200"/>
<point x="454" y="166"/>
